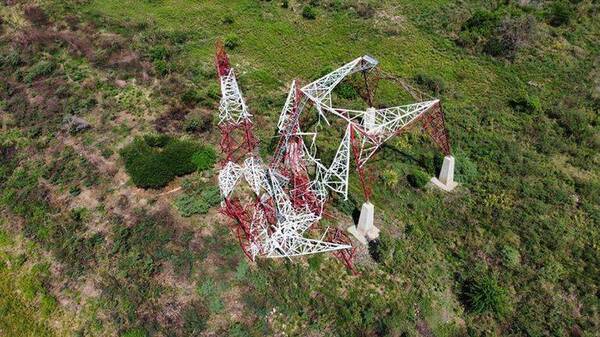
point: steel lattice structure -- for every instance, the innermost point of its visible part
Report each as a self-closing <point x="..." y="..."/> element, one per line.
<point x="287" y="201"/>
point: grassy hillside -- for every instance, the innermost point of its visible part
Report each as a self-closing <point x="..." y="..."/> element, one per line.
<point x="514" y="251"/>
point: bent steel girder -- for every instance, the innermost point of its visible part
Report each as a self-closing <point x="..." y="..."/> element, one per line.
<point x="372" y="127"/>
<point x="336" y="176"/>
<point x="320" y="89"/>
<point x="295" y="245"/>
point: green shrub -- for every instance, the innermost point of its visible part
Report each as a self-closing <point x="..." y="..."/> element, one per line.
<point x="194" y="319"/>
<point x="309" y="12"/>
<point x="346" y="91"/>
<point x="231" y="41"/>
<point x="510" y="256"/>
<point x="152" y="162"/>
<point x="481" y="22"/>
<point x="145" y="165"/>
<point x="526" y="104"/>
<point x="194" y="202"/>
<point x="484" y="294"/>
<point x="559" y="13"/>
<point x="390" y="178"/>
<point x="42" y="68"/>
<point x="433" y="83"/>
<point x="178" y="156"/>
<point x="204" y="159"/>
<point x="13" y="59"/>
<point x="189" y="205"/>
<point x="159" y="53"/>
<point x="137" y="332"/>
<point x="47" y="304"/>
<point x="212" y="195"/>
<point x="228" y="19"/>
<point x="191" y="96"/>
<point x="159" y="140"/>
<point x="418" y="179"/>
<point x="162" y="67"/>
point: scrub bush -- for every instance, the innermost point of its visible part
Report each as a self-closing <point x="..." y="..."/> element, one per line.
<point x="153" y="161"/>
<point x="231" y="41"/>
<point x="308" y="12"/>
<point x="137" y="332"/>
<point x="346" y="91"/>
<point x="510" y="256"/>
<point x="198" y="123"/>
<point x="198" y="203"/>
<point x="484" y="294"/>
<point x="433" y="83"/>
<point x="418" y="179"/>
<point x="478" y="27"/>
<point x="559" y="13"/>
<point x="204" y="159"/>
<point x="194" y="318"/>
<point x="42" y="68"/>
<point x="510" y="35"/>
<point x="527" y="104"/>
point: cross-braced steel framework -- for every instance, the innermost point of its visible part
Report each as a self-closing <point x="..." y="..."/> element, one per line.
<point x="290" y="192"/>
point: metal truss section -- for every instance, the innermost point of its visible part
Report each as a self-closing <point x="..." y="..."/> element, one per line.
<point x="228" y="178"/>
<point x="288" y="108"/>
<point x="232" y="107"/>
<point x="295" y="245"/>
<point x="255" y="174"/>
<point x="336" y="177"/>
<point x="320" y="90"/>
<point x="385" y="123"/>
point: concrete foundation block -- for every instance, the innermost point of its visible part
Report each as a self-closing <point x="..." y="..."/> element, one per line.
<point x="365" y="231"/>
<point x="446" y="179"/>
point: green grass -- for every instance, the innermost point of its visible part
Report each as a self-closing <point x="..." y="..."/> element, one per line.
<point x="512" y="195"/>
<point x="19" y="307"/>
<point x="512" y="252"/>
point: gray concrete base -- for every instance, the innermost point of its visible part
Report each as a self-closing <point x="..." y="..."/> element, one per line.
<point x="444" y="187"/>
<point x="446" y="180"/>
<point x="365" y="231"/>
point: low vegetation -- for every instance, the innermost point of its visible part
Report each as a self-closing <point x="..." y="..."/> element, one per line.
<point x="513" y="252"/>
<point x="154" y="160"/>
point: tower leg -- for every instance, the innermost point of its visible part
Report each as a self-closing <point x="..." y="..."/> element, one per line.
<point x="446" y="179"/>
<point x="365" y="231"/>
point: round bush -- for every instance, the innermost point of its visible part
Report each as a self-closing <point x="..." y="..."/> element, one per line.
<point x="153" y="161"/>
<point x="308" y="12"/>
<point x="418" y="179"/>
<point x="485" y="294"/>
<point x="560" y="13"/>
<point x="231" y="41"/>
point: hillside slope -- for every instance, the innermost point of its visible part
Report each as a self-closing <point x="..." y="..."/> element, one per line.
<point x="514" y="251"/>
